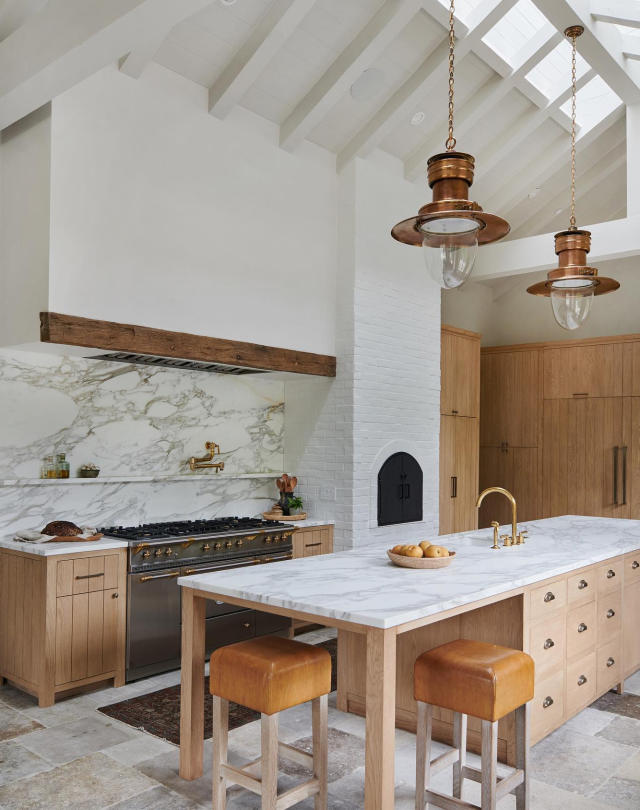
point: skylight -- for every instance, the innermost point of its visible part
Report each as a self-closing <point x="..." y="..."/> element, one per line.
<point x="514" y="30"/>
<point x="594" y="102"/>
<point x="464" y="8"/>
<point x="552" y="75"/>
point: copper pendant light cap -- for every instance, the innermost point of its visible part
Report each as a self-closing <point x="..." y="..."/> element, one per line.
<point x="450" y="166"/>
<point x="573" y="240"/>
<point x="601" y="284"/>
<point x="574" y="31"/>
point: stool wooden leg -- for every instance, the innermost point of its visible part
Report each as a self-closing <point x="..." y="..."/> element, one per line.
<point x="459" y="742"/>
<point x="423" y="752"/>
<point x="320" y="725"/>
<point x="220" y="741"/>
<point x="489" y="764"/>
<point x="523" y="715"/>
<point x="269" y="728"/>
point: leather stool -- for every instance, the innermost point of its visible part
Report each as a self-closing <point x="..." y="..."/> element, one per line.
<point x="485" y="681"/>
<point x="268" y="675"/>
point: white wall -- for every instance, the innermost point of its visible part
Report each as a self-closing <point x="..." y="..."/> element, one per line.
<point x="504" y="313"/>
<point x="163" y="215"/>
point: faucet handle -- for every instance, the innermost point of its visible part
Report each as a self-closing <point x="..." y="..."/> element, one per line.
<point x="524" y="533"/>
<point x="508" y="540"/>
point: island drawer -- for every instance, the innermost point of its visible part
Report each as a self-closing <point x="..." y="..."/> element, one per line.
<point x="582" y="587"/>
<point x="610" y="575"/>
<point x="547" y="708"/>
<point x="581" y="683"/>
<point x="609" y="616"/>
<point x="581" y="629"/>
<point x="87" y="574"/>
<point x="547" y="644"/>
<point x="632" y="567"/>
<point x="609" y="665"/>
<point x="548" y="598"/>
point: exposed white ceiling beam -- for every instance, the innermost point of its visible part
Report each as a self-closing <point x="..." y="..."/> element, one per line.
<point x="621" y="12"/>
<point x="545" y="213"/>
<point x="13" y="13"/>
<point x="370" y="42"/>
<point x="434" y="68"/>
<point x="615" y="239"/>
<point x="137" y="59"/>
<point x="488" y="97"/>
<point x="64" y="43"/>
<point x="600" y="45"/>
<point x="525" y="126"/>
<point x="543" y="167"/>
<point x="267" y="37"/>
<point x="630" y="46"/>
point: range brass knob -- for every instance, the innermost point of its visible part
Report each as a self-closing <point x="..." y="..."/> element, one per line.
<point x="206" y="547"/>
<point x="146" y="554"/>
<point x="229" y="544"/>
<point x="239" y="543"/>
<point x="267" y="539"/>
<point x="217" y="546"/>
<point x="158" y="552"/>
<point x="168" y="552"/>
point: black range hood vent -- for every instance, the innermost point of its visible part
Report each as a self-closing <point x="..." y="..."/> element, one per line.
<point x="174" y="363"/>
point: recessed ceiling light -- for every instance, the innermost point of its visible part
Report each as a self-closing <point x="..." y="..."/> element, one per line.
<point x="367" y="85"/>
<point x="533" y="193"/>
<point x="417" y="118"/>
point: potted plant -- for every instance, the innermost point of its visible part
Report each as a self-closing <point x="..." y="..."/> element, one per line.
<point x="295" y="505"/>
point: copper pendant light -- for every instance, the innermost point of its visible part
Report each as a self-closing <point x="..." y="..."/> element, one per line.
<point x="451" y="227"/>
<point x="573" y="284"/>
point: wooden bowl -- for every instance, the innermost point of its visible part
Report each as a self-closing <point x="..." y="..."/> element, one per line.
<point x="421" y="562"/>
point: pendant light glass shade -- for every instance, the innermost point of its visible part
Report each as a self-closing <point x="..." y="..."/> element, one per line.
<point x="571" y="302"/>
<point x="450" y="228"/>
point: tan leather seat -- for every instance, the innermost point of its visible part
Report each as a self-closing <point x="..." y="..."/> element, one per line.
<point x="270" y="674"/>
<point x="471" y="677"/>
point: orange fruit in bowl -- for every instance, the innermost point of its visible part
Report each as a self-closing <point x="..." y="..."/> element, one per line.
<point x="436" y="551"/>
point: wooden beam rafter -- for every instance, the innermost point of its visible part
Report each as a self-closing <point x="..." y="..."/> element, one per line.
<point x="265" y="40"/>
<point x="370" y="42"/>
<point x="71" y="330"/>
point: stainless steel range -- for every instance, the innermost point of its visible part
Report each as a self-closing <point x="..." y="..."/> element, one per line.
<point x="159" y="553"/>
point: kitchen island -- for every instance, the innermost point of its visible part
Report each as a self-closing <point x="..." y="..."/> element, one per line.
<point x="570" y="596"/>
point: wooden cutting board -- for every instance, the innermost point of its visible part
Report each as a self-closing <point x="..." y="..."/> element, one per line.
<point x="75" y="539"/>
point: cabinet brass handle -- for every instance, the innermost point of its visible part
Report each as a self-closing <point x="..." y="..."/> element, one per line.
<point x="114" y="595"/>
<point x="549" y="643"/>
<point x="611" y="573"/>
<point x="312" y="545"/>
<point x="89" y="576"/>
<point x="548" y="701"/>
<point x="615" y="475"/>
<point x="611" y="613"/>
<point x="581" y="394"/>
<point x="549" y="596"/>
<point x="453" y="410"/>
<point x="582" y="680"/>
<point x="582" y="627"/>
<point x="635" y="564"/>
<point x="624" y="476"/>
<point x="583" y="584"/>
<point x="610" y="662"/>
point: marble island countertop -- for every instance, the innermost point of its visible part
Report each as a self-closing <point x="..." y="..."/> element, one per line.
<point x="363" y="587"/>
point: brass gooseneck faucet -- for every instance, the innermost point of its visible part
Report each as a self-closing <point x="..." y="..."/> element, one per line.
<point x="515" y="538"/>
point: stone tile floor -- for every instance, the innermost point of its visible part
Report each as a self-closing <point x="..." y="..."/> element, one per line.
<point x="71" y="757"/>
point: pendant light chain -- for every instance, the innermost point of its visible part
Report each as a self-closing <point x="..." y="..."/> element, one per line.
<point x="572" y="220"/>
<point x="451" y="141"/>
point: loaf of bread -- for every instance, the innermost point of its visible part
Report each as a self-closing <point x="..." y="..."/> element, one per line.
<point x="62" y="528"/>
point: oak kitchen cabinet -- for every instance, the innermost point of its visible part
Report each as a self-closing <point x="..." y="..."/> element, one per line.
<point x="312" y="540"/>
<point x="459" y="429"/>
<point x="62" y="620"/>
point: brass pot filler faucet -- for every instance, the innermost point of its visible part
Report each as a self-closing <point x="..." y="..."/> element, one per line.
<point x="515" y="538"/>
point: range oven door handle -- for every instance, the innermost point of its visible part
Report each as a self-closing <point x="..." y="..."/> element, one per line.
<point x="172" y="575"/>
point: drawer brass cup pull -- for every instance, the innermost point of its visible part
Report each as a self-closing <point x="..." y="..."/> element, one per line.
<point x="115" y="595"/>
<point x="635" y="564"/>
<point x="582" y="627"/>
<point x="548" y="701"/>
<point x="89" y="576"/>
<point x="610" y="662"/>
<point x="583" y="584"/>
<point x="582" y="680"/>
<point x="611" y="613"/>
<point x="549" y="643"/>
<point x="549" y="596"/>
<point x="611" y="574"/>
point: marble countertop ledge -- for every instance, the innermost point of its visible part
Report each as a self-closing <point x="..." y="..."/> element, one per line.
<point x="363" y="587"/>
<point x="132" y="479"/>
<point x="54" y="549"/>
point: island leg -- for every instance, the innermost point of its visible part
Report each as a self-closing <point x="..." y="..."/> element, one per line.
<point x="192" y="685"/>
<point x="380" y="720"/>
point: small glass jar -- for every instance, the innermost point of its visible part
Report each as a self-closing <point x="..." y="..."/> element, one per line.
<point x="62" y="466"/>
<point x="50" y="467"/>
<point x="47" y="465"/>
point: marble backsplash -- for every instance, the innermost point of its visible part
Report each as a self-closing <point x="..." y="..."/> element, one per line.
<point x="131" y="421"/>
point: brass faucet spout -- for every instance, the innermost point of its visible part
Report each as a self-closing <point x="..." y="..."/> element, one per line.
<point x="514" y="539"/>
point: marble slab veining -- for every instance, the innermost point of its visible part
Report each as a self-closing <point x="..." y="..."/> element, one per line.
<point x="53" y="549"/>
<point x="363" y="587"/>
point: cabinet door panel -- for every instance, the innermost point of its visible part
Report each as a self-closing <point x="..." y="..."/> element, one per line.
<point x="631" y="632"/>
<point x="110" y="636"/>
<point x="592" y="371"/>
<point x="447" y="465"/>
<point x="524" y="481"/>
<point x="95" y="625"/>
<point x="510" y="399"/>
<point x="495" y="471"/>
<point x="633" y="456"/>
<point x="631" y="353"/>
<point x="64" y="630"/>
<point x="460" y="375"/>
<point x="79" y="636"/>
<point x="465" y="514"/>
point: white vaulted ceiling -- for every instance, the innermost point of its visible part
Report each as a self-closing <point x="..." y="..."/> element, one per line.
<point x="353" y="75"/>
